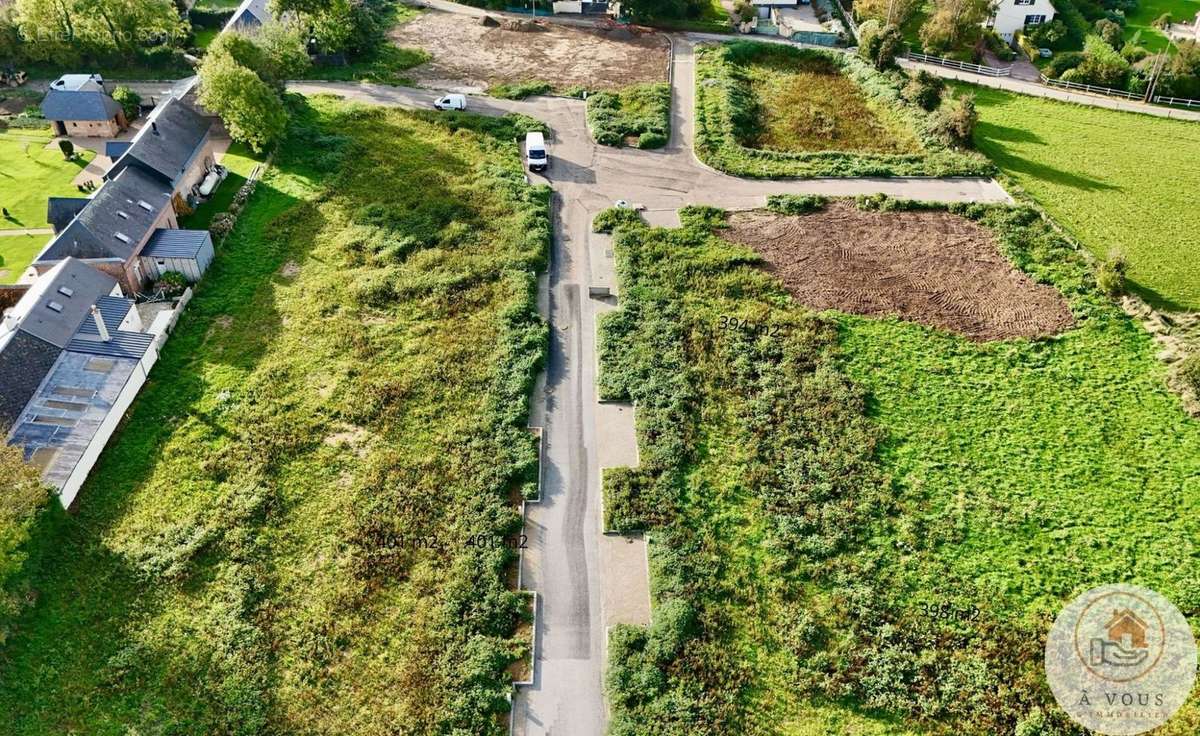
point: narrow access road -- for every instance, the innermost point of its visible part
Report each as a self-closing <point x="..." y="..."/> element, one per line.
<point x="563" y="563"/>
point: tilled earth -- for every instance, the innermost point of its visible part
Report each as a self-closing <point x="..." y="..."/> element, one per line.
<point x="471" y="56"/>
<point x="934" y="268"/>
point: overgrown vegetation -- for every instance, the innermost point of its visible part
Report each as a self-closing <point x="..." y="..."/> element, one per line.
<point x="279" y="540"/>
<point x="519" y="90"/>
<point x="641" y="113"/>
<point x="768" y="110"/>
<point x="1087" y="167"/>
<point x="866" y="526"/>
<point x="24" y="500"/>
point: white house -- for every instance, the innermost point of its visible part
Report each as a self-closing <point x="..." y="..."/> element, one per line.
<point x="1014" y="15"/>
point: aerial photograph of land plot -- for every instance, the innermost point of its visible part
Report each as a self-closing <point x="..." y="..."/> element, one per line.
<point x="702" y="368"/>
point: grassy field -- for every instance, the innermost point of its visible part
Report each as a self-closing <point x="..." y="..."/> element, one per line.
<point x="815" y="490"/>
<point x="29" y="173"/>
<point x="1113" y="179"/>
<point x="807" y="104"/>
<point x="1148" y="11"/>
<point x="757" y="115"/>
<point x="16" y="253"/>
<point x="299" y="529"/>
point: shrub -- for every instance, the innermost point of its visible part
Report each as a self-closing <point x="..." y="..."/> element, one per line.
<point x="879" y="45"/>
<point x="1050" y="35"/>
<point x="221" y="225"/>
<point x="796" y="204"/>
<point x="642" y="111"/>
<point x="1112" y="33"/>
<point x="1162" y="21"/>
<point x="172" y="283"/>
<point x="652" y="139"/>
<point x="1063" y="62"/>
<point x="67" y="148"/>
<point x="1110" y="274"/>
<point x="606" y="221"/>
<point x="956" y="119"/>
<point x="924" y="90"/>
<point x="744" y="11"/>
<point x="1102" y="65"/>
<point x="129" y="101"/>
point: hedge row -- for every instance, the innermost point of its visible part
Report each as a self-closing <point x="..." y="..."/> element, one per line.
<point x="642" y="111"/>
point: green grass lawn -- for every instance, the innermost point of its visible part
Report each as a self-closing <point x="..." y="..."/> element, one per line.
<point x="279" y="540"/>
<point x="240" y="161"/>
<point x="205" y="36"/>
<point x="1148" y="11"/>
<point x="29" y="173"/>
<point x="16" y="253"/>
<point x="1113" y="179"/>
<point x="809" y="492"/>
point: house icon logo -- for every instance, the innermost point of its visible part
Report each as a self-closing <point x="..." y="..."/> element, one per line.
<point x="1120" y="659"/>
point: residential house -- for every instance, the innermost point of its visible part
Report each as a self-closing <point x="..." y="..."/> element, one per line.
<point x="34" y="333"/>
<point x="174" y="146"/>
<point x="111" y="230"/>
<point x="1011" y="16"/>
<point x="79" y="104"/>
<point x="250" y="16"/>
<point x="73" y="355"/>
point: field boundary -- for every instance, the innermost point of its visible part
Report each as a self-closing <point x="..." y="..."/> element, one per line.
<point x="989" y="71"/>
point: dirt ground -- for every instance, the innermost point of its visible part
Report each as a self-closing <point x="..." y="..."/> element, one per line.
<point x="470" y="55"/>
<point x="934" y="268"/>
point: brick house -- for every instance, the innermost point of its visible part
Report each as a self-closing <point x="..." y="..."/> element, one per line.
<point x="79" y="105"/>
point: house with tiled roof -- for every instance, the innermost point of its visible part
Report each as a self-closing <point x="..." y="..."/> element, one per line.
<point x="174" y="146"/>
<point x="80" y="105"/>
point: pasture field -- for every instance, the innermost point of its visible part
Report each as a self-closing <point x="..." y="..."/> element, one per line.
<point x="285" y="535"/>
<point x="1142" y="18"/>
<point x="16" y="253"/>
<point x="30" y="172"/>
<point x="865" y="525"/>
<point x="774" y="111"/>
<point x="1112" y="179"/>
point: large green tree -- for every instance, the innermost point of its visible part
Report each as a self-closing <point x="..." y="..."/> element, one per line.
<point x="70" y="30"/>
<point x="250" y="107"/>
<point x="955" y="24"/>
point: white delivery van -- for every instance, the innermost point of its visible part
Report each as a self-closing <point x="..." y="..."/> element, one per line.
<point x="451" y="102"/>
<point x="535" y="152"/>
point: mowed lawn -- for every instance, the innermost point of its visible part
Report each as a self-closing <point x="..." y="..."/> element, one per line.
<point x="16" y="253"/>
<point x="807" y="104"/>
<point x="1148" y="11"/>
<point x="278" y="540"/>
<point x="1113" y="179"/>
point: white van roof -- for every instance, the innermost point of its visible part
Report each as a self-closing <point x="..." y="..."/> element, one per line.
<point x="534" y="138"/>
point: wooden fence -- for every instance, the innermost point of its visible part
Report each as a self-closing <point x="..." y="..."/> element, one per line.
<point x="988" y="71"/>
<point x="1177" y="101"/>
<point x="1109" y="91"/>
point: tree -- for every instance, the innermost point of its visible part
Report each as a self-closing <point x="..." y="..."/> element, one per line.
<point x="1048" y="35"/>
<point x="283" y="47"/>
<point x="1102" y="65"/>
<point x="67" y="148"/>
<point x="955" y="24"/>
<point x="1181" y="78"/>
<point x="129" y="101"/>
<point x="879" y="44"/>
<point x="250" y="108"/>
<point x="1112" y="33"/>
<point x="924" y="90"/>
<point x="73" y="29"/>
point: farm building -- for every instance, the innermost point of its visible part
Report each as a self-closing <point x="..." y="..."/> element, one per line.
<point x="185" y="251"/>
<point x="78" y="104"/>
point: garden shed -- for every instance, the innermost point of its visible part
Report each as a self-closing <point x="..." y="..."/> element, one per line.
<point x="187" y="251"/>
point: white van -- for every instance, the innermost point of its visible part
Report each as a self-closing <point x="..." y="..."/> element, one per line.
<point x="451" y="102"/>
<point x="535" y="152"/>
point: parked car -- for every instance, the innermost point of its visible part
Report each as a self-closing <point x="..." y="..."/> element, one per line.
<point x="535" y="152"/>
<point x="451" y="102"/>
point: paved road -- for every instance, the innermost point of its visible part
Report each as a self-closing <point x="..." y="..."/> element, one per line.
<point x="563" y="563"/>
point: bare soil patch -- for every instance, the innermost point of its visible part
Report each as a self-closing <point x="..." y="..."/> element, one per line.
<point x="469" y="54"/>
<point x="934" y="268"/>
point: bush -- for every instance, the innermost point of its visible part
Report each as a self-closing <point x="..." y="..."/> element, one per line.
<point x="67" y="148"/>
<point x="1052" y="35"/>
<point x="1064" y="62"/>
<point x="879" y="45"/>
<point x="1112" y="33"/>
<point x="796" y="204"/>
<point x="1162" y="21"/>
<point x="172" y="283"/>
<point x="1102" y="65"/>
<point x="1110" y="274"/>
<point x="955" y="120"/>
<point x="924" y="90"/>
<point x="652" y="139"/>
<point x="129" y="101"/>
<point x="606" y="221"/>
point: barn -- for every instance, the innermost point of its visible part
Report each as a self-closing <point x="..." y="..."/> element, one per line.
<point x="187" y="251"/>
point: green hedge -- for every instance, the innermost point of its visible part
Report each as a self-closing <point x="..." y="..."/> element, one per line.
<point x="726" y="107"/>
<point x="642" y="111"/>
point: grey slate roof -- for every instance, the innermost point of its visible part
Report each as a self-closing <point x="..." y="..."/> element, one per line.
<point x="251" y="14"/>
<point x="167" y="143"/>
<point x="176" y="243"/>
<point x="132" y="345"/>
<point x="73" y="286"/>
<point x="127" y="206"/>
<point x="115" y="149"/>
<point x="25" y="361"/>
<point x="79" y="97"/>
<point x="113" y="310"/>
<point x="61" y="210"/>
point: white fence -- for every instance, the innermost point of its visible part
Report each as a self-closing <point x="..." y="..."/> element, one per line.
<point x="1090" y="88"/>
<point x="1180" y="101"/>
<point x="988" y="71"/>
